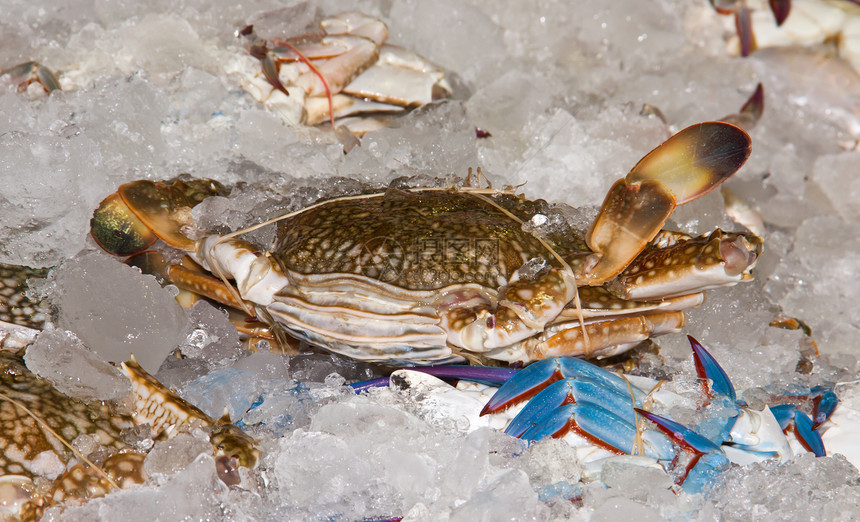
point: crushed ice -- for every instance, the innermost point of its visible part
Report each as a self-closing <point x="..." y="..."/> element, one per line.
<point x="560" y="87"/>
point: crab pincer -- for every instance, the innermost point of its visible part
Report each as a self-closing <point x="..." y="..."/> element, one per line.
<point x="686" y="166"/>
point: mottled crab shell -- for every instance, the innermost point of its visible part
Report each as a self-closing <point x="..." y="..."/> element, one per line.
<point x="415" y="240"/>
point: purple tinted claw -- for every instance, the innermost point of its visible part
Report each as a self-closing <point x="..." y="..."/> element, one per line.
<point x="482" y="374"/>
<point x="808" y="437"/>
<point x="541" y="374"/>
<point x="709" y="370"/>
<point x="684" y="436"/>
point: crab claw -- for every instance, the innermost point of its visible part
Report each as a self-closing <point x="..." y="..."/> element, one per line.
<point x="130" y="220"/>
<point x="751" y="111"/>
<point x="804" y="428"/>
<point x="784" y="414"/>
<point x="807" y="435"/>
<point x="714" y="379"/>
<point x="684" y="436"/>
<point x="686" y="166"/>
<point x="541" y="374"/>
<point x="823" y="405"/>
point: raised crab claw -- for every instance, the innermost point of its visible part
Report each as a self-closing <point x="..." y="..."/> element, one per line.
<point x="430" y="276"/>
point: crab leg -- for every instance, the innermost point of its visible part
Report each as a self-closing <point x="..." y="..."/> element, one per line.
<point x="684" y="167"/>
<point x="804" y="429"/>
<point x="541" y="374"/>
<point x="678" y="266"/>
<point x="823" y="405"/>
<point x="603" y="428"/>
<point x="606" y="337"/>
<point x="29" y="72"/>
<point x="570" y="391"/>
<point x="807" y="435"/>
<point x="715" y="381"/>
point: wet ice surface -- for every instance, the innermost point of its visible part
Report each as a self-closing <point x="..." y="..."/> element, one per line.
<point x="560" y="86"/>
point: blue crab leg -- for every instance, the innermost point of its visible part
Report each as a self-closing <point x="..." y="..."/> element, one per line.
<point x="603" y="428"/>
<point x="784" y="414"/>
<point x="684" y="436"/>
<point x="823" y="405"/>
<point x="541" y="374"/>
<point x="804" y="428"/>
<point x="709" y="369"/>
<point x="570" y="391"/>
<point x="807" y="435"/>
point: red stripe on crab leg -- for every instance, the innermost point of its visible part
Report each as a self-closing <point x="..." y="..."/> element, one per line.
<point x="534" y="378"/>
<point x="317" y="73"/>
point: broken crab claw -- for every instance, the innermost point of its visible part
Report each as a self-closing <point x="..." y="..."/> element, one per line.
<point x="30" y="75"/>
<point x="750" y="435"/>
<point x="344" y="69"/>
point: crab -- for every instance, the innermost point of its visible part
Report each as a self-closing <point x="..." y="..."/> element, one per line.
<point x="44" y="431"/>
<point x="343" y="69"/>
<point x="602" y="414"/>
<point x="834" y="25"/>
<point x="438" y="275"/>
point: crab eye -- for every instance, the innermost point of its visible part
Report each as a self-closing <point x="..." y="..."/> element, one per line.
<point x="117" y="230"/>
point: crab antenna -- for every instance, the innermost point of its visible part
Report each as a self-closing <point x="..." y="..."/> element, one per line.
<point x="65" y="443"/>
<point x="318" y="74"/>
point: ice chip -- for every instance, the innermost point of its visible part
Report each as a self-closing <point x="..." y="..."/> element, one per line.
<point x="117" y="311"/>
<point x="73" y="369"/>
<point x="170" y="456"/>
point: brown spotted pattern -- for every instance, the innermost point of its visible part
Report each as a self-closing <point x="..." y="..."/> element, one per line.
<point x="15" y="307"/>
<point x="417" y="240"/>
<point x="26" y="447"/>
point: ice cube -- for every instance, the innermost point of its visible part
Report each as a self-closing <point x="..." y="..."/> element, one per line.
<point x="62" y="358"/>
<point x="170" y="456"/>
<point x="117" y="311"/>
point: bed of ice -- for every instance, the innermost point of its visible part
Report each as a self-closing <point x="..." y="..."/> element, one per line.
<point x="560" y="86"/>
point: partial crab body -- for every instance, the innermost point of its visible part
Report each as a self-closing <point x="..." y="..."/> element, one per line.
<point x="38" y="423"/>
<point x="804" y="23"/>
<point x="602" y="414"/>
<point x="427" y="276"/>
<point x="344" y="69"/>
<point x="41" y="429"/>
